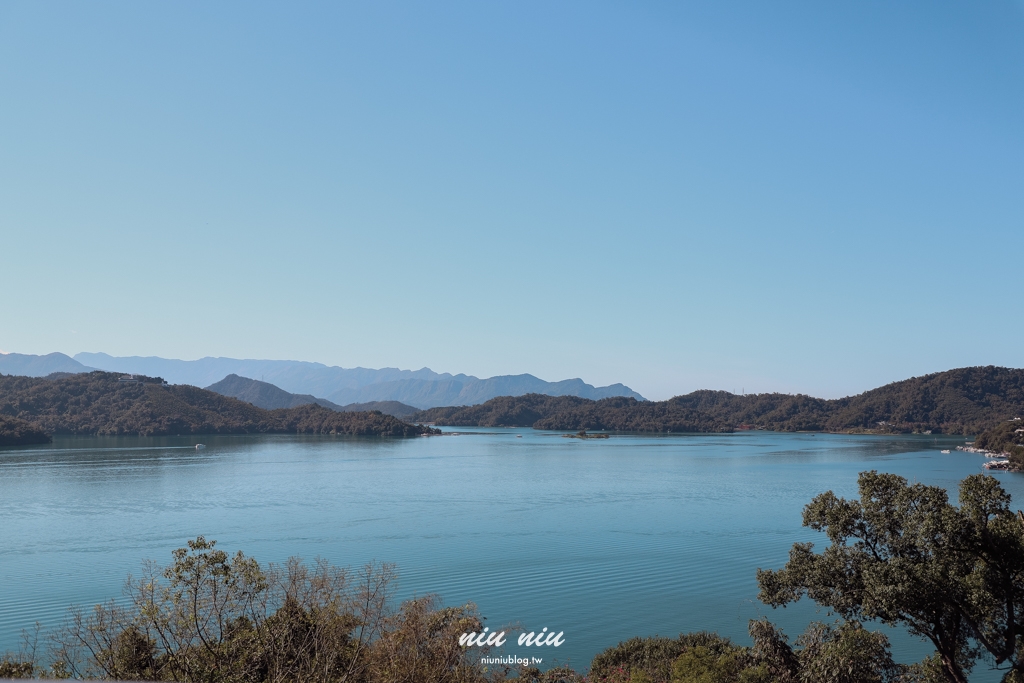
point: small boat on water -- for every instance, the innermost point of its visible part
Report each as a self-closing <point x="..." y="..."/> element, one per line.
<point x="200" y="446"/>
<point x="945" y="451"/>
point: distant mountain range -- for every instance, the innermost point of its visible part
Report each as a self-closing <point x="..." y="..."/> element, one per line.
<point x="27" y="365"/>
<point x="422" y="388"/>
<point x="269" y="397"/>
<point x="265" y="395"/>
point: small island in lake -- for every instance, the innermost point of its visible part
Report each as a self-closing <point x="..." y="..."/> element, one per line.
<point x="582" y="434"/>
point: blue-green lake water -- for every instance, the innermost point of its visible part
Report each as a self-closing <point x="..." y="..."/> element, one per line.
<point x="600" y="539"/>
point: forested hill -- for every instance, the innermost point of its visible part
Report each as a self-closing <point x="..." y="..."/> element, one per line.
<point x="270" y="397"/>
<point x="961" y="401"/>
<point x="99" y="403"/>
<point x="264" y="394"/>
<point x="1006" y="438"/>
<point x="15" y="432"/>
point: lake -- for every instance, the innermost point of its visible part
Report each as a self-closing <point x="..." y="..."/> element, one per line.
<point x="600" y="539"/>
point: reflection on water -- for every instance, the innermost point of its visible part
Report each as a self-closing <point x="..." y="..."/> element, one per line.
<point x="603" y="539"/>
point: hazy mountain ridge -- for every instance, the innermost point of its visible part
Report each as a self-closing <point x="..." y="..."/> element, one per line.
<point x="29" y="365"/>
<point x="472" y="391"/>
<point x="265" y="395"/>
<point x="297" y="377"/>
<point x="270" y="397"/>
<point x="421" y="388"/>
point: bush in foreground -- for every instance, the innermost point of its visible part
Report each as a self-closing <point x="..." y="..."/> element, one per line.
<point x="210" y="617"/>
<point x="213" y="617"/>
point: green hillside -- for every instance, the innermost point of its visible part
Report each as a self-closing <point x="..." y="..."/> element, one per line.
<point x="15" y="432"/>
<point x="1006" y="437"/>
<point x="98" y="403"/>
<point x="961" y="401"/>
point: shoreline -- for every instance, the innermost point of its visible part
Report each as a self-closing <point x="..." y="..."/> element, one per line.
<point x="1004" y="464"/>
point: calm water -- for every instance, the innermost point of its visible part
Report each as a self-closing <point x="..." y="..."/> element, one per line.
<point x="602" y="539"/>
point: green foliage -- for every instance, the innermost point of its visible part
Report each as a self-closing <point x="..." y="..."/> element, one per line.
<point x="653" y="656"/>
<point x="97" y="403"/>
<point x="962" y="401"/>
<point x="314" y="419"/>
<point x="844" y="653"/>
<point x="847" y="654"/>
<point x="26" y="663"/>
<point x="772" y="650"/>
<point x="1007" y="438"/>
<point x="702" y="665"/>
<point x="12" y="667"/>
<point x="904" y="555"/>
<point x="574" y="413"/>
<point x="931" y="671"/>
<point x="420" y="643"/>
<point x="210" y="616"/>
<point x="556" y="674"/>
<point x="15" y="432"/>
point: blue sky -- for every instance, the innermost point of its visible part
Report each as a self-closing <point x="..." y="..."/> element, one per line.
<point x="803" y="197"/>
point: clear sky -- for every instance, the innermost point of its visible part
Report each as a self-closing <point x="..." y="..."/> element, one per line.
<point x="811" y="197"/>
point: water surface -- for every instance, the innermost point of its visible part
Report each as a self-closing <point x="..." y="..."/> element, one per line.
<point x="601" y="539"/>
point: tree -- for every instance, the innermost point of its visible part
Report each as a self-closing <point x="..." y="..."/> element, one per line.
<point x="703" y="665"/>
<point x="845" y="653"/>
<point x="903" y="555"/>
<point x="652" y="657"/>
<point x="214" y="618"/>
